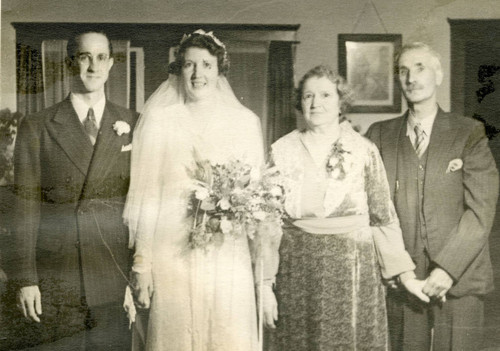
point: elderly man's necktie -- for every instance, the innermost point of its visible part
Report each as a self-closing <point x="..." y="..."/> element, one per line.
<point x="90" y="125"/>
<point x="419" y="140"/>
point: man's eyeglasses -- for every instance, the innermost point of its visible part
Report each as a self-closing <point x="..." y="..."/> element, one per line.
<point x="86" y="58"/>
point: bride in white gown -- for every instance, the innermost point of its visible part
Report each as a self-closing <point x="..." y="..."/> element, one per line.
<point x="199" y="300"/>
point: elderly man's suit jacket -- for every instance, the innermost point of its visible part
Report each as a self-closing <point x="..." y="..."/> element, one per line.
<point x="70" y="198"/>
<point x="458" y="206"/>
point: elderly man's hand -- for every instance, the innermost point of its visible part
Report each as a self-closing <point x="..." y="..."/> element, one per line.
<point x="30" y="302"/>
<point x="438" y="284"/>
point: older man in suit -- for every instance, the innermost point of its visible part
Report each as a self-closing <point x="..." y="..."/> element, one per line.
<point x="444" y="184"/>
<point x="72" y="165"/>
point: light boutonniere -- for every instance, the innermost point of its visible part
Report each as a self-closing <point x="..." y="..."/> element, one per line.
<point x="337" y="164"/>
<point x="121" y="127"/>
<point x="454" y="165"/>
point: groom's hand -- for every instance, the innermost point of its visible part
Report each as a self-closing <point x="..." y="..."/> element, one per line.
<point x="30" y="302"/>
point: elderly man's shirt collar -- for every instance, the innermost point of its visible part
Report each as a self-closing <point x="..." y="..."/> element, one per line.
<point x="426" y="125"/>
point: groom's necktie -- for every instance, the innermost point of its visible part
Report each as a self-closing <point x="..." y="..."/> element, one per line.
<point x="90" y="125"/>
<point x="419" y="140"/>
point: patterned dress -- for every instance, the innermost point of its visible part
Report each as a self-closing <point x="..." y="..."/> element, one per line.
<point x="343" y="234"/>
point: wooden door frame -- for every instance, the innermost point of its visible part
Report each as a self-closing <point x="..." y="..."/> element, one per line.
<point x="464" y="31"/>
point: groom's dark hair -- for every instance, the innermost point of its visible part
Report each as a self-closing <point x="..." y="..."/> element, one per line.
<point x="73" y="41"/>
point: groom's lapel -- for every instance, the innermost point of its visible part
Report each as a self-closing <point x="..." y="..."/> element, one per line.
<point x="107" y="148"/>
<point x="67" y="130"/>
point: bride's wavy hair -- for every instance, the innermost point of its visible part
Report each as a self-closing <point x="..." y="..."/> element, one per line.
<point x="202" y="41"/>
<point x="343" y="89"/>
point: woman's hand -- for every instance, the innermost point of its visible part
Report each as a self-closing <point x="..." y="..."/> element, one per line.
<point x="265" y="296"/>
<point x="142" y="285"/>
<point x="413" y="285"/>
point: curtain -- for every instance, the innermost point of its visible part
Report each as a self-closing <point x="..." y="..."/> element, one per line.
<point x="118" y="84"/>
<point x="44" y="80"/>
<point x="247" y="75"/>
<point x="29" y="79"/>
<point x="55" y="72"/>
<point x="280" y="87"/>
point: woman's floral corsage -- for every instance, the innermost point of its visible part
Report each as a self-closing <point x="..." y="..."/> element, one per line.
<point x="338" y="162"/>
<point x="121" y="127"/>
<point x="229" y="199"/>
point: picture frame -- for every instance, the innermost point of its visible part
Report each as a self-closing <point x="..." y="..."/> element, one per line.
<point x="366" y="61"/>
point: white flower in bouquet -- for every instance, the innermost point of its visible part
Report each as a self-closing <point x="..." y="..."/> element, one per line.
<point x="336" y="172"/>
<point x="201" y="193"/>
<point x="237" y="191"/>
<point x="254" y="173"/>
<point x="276" y="191"/>
<point x="226" y="226"/>
<point x="260" y="215"/>
<point x="333" y="161"/>
<point x="224" y="204"/>
<point x="254" y="201"/>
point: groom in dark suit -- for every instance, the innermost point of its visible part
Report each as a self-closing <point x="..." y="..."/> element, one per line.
<point x="444" y="184"/>
<point x="72" y="165"/>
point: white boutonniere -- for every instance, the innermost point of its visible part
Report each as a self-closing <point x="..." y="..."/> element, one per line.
<point x="121" y="127"/>
<point x="454" y="165"/>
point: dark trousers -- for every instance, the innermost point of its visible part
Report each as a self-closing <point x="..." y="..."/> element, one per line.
<point x="457" y="323"/>
<point x="109" y="331"/>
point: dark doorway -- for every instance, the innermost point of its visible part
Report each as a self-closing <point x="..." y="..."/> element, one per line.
<point x="475" y="91"/>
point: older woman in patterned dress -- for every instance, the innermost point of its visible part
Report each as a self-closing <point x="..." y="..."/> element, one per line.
<point x="343" y="235"/>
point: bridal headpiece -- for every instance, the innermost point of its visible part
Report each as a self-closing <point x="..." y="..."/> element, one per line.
<point x="208" y="34"/>
<point x="217" y="48"/>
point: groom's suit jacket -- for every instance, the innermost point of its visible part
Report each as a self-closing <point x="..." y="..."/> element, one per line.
<point x="69" y="203"/>
<point x="457" y="206"/>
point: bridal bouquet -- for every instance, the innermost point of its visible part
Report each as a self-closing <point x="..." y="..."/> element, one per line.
<point x="230" y="199"/>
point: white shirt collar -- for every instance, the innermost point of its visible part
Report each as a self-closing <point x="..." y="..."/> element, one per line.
<point x="426" y="124"/>
<point x="82" y="108"/>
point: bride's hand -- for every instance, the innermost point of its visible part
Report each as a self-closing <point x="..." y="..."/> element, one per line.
<point x="269" y="305"/>
<point x="413" y="285"/>
<point x="142" y="284"/>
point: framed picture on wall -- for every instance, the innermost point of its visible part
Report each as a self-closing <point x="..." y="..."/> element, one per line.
<point x="367" y="62"/>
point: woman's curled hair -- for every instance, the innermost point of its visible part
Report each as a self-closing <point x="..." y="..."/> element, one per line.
<point x="202" y="41"/>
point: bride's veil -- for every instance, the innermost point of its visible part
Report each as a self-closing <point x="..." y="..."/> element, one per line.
<point x="144" y="188"/>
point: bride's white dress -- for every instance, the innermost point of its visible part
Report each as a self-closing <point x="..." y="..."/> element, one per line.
<point x="203" y="300"/>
